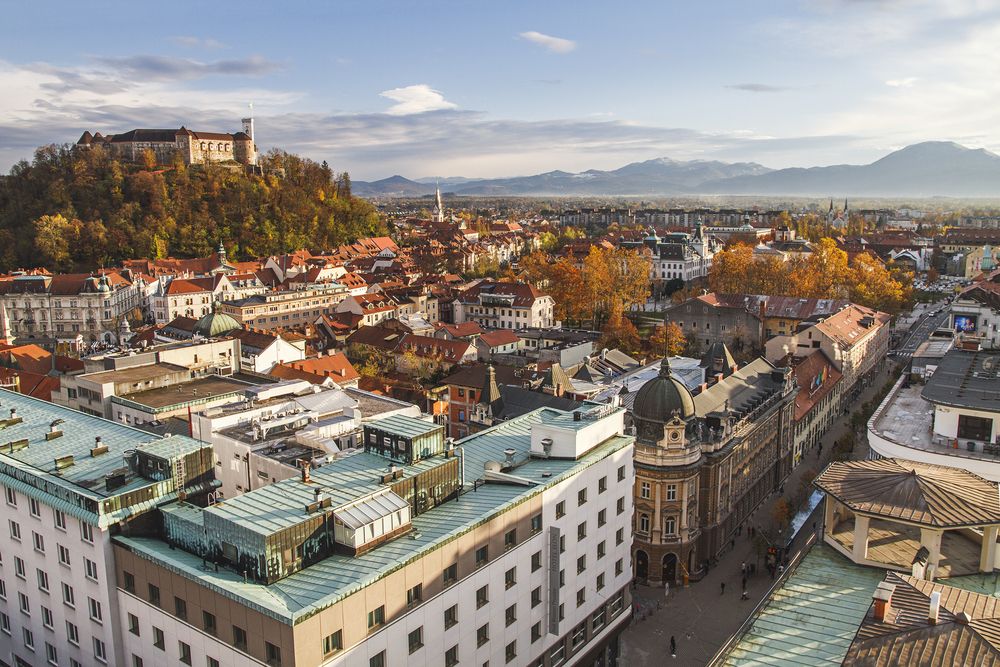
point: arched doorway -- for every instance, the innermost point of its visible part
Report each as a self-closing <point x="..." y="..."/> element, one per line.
<point x="670" y="568"/>
<point x="641" y="565"/>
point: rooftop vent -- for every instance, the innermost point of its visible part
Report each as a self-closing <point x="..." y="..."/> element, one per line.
<point x="16" y="445"/>
<point x="99" y="447"/>
<point x="54" y="430"/>
<point x="509" y="457"/>
<point x="64" y="462"/>
<point x="934" y="608"/>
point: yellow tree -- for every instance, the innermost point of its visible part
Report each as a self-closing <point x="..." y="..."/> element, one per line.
<point x="615" y="279"/>
<point x="668" y="340"/>
<point x="731" y="269"/>
<point x="872" y="285"/>
<point x="620" y="333"/>
<point x="829" y="270"/>
<point x="566" y="286"/>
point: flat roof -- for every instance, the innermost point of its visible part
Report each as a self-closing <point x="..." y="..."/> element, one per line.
<point x="966" y="379"/>
<point x="318" y="586"/>
<point x="133" y="373"/>
<point x="209" y="387"/>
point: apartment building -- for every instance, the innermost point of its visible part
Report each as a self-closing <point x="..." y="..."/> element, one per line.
<point x="70" y="480"/>
<point x="510" y="548"/>
<point x="494" y="305"/>
<point x="287" y="308"/>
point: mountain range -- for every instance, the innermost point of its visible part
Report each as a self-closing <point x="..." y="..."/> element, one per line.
<point x="932" y="168"/>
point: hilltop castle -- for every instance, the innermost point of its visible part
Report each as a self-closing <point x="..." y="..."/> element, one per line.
<point x="194" y="147"/>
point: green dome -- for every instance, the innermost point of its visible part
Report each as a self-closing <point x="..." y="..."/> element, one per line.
<point x="663" y="397"/>
<point x="215" y="324"/>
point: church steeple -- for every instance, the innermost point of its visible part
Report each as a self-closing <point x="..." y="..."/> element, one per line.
<point x="438" y="213"/>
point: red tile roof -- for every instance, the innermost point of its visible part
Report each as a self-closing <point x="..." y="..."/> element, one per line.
<point x="816" y="377"/>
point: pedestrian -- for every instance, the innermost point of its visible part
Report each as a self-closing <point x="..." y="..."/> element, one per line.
<point x="745" y="595"/>
<point x="743" y="567"/>
<point x="723" y="588"/>
<point x="673" y="647"/>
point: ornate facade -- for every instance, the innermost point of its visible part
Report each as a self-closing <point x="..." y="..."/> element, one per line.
<point x="704" y="461"/>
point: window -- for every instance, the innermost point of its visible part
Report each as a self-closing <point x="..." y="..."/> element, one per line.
<point x="91" y="568"/>
<point x="154" y="594"/>
<point x="562" y="578"/>
<point x="24" y="604"/>
<point x="599" y="618"/>
<point x="94" y="607"/>
<point x="536" y="632"/>
<point x="557" y="655"/>
<point x="482" y="635"/>
<point x="581" y="497"/>
<point x="29" y="639"/>
<point x="579" y="635"/>
<point x="482" y="555"/>
<point x="536" y="561"/>
<point x="184" y="653"/>
<point x="671" y="492"/>
<point x="33" y="508"/>
<point x="482" y="597"/>
<point x="451" y="574"/>
<point x="450" y="616"/>
<point x="47" y="617"/>
<point x="11" y="496"/>
<point x="600" y="581"/>
<point x="19" y="567"/>
<point x="601" y="549"/>
<point x="50" y="654"/>
<point x="210" y="661"/>
<point x="136" y="661"/>
<point x="376" y="618"/>
<point x="536" y="597"/>
<point x="670" y="525"/>
<point x="510" y="615"/>
<point x="60" y="519"/>
<point x="180" y="608"/>
<point x="644" y="490"/>
<point x="581" y="596"/>
<point x="333" y="643"/>
<point x="15" y="531"/>
<point x="581" y="531"/>
<point x="127" y="579"/>
<point x="562" y="544"/>
<point x="133" y="624"/>
<point x="38" y="542"/>
<point x="5" y="623"/>
<point x="618" y="567"/>
<point x="536" y="524"/>
<point x="100" y="652"/>
<point x="621" y="473"/>
<point x="208" y="621"/>
<point x="239" y="638"/>
<point x="510" y="539"/>
<point x="72" y="634"/>
<point x="43" y="580"/>
<point x="415" y="639"/>
<point x="619" y="536"/>
<point x="67" y="592"/>
<point x="561" y="509"/>
<point x="377" y="660"/>
<point x="64" y="557"/>
<point x="414" y="595"/>
<point x="644" y="523"/>
<point x="602" y="518"/>
<point x="86" y="532"/>
<point x="451" y="657"/>
<point x="581" y="564"/>
<point x="621" y="505"/>
<point x="511" y="651"/>
<point x="272" y="654"/>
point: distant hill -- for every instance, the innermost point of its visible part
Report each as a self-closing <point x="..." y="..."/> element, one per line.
<point x="933" y="168"/>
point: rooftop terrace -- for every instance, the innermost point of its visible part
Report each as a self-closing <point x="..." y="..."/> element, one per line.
<point x="202" y="389"/>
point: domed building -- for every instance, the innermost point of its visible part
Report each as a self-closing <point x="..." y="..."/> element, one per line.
<point x="705" y="459"/>
<point x="215" y="324"/>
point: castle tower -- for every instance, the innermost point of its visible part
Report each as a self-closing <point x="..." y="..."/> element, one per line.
<point x="251" y="150"/>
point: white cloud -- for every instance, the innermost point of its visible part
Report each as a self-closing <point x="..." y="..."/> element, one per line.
<point x="415" y="99"/>
<point x="554" y="44"/>
<point x="902" y="83"/>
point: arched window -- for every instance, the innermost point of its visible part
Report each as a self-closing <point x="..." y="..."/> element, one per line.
<point x="670" y="526"/>
<point x="210" y="145"/>
<point x="203" y="145"/>
<point x="643" y="523"/>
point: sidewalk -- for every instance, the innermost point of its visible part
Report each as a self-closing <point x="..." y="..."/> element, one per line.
<point x="700" y="617"/>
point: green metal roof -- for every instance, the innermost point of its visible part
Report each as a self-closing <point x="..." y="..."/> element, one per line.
<point x="318" y="586"/>
<point x="812" y="619"/>
<point x="407" y="427"/>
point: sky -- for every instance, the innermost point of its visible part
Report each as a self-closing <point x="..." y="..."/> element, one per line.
<point x="504" y="88"/>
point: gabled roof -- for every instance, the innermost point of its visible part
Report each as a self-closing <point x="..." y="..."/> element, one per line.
<point x="848" y="326"/>
<point x="816" y="377"/>
<point x="499" y="337"/>
<point x="913" y="492"/>
<point x="334" y="366"/>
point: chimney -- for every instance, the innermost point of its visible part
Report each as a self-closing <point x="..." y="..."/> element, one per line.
<point x="305" y="472"/>
<point x="935" y="608"/>
<point x="13" y="413"/>
<point x="883" y="601"/>
<point x="316" y="494"/>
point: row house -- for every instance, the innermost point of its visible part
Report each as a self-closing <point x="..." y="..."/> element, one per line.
<point x="817" y="403"/>
<point x="285" y="309"/>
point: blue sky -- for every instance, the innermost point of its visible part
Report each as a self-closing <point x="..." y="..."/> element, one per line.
<point x="506" y="88"/>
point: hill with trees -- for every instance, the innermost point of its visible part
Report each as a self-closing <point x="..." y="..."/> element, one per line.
<point x="77" y="210"/>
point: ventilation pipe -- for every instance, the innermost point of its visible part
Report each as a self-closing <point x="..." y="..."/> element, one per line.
<point x="935" y="608"/>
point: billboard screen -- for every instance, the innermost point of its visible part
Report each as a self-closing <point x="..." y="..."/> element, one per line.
<point x="965" y="323"/>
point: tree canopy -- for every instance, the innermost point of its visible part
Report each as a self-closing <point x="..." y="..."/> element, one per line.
<point x="78" y="209"/>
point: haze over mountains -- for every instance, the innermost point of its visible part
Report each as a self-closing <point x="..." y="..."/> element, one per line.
<point x="932" y="168"/>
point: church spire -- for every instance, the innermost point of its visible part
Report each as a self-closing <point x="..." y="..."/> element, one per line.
<point x="438" y="213"/>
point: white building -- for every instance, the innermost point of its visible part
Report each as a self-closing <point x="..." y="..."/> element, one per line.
<point x="69" y="481"/>
<point x="512" y="549"/>
<point x="494" y="305"/>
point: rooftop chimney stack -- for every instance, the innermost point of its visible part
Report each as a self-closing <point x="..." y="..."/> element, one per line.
<point x="883" y="601"/>
<point x="935" y="608"/>
<point x="305" y="472"/>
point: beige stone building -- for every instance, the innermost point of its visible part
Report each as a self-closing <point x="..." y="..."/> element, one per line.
<point x="192" y="147"/>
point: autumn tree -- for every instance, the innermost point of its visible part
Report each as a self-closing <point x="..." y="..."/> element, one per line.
<point x="730" y="269"/>
<point x="668" y="340"/>
<point x="872" y="285"/>
<point x="614" y="280"/>
<point x="52" y="240"/>
<point x="619" y="333"/>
